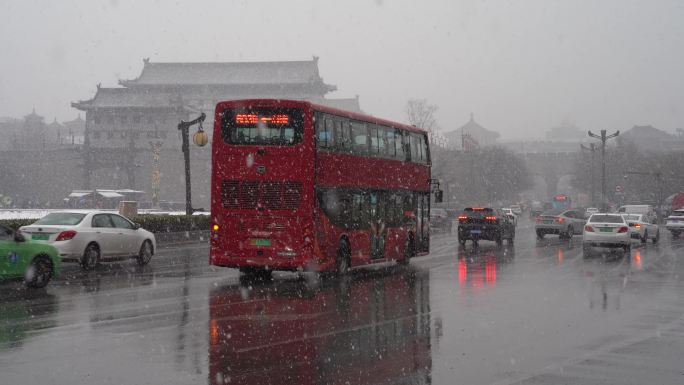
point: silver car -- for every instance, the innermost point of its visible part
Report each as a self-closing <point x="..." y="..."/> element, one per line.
<point x="565" y="223"/>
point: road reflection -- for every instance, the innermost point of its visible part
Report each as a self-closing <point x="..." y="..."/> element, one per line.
<point x="24" y="312"/>
<point x="370" y="328"/>
<point x="479" y="266"/>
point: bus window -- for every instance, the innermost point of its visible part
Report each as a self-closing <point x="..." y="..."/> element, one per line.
<point x="390" y="139"/>
<point x="360" y="210"/>
<point x="324" y="131"/>
<point x="399" y="145"/>
<point x="359" y="133"/>
<point x="418" y="150"/>
<point x="373" y="131"/>
<point x="424" y="149"/>
<point x="342" y="136"/>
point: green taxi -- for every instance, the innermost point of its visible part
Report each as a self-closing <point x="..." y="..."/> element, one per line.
<point x="37" y="263"/>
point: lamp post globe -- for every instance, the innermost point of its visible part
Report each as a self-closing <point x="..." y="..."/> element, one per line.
<point x="200" y="138"/>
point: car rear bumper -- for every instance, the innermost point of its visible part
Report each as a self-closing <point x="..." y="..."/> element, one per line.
<point x="486" y="233"/>
<point x="603" y="240"/>
<point x="550" y="229"/>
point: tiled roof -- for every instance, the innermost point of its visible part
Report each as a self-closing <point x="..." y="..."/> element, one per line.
<point x="128" y="97"/>
<point x="235" y="73"/>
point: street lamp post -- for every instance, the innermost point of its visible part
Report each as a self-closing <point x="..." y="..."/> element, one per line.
<point x="603" y="137"/>
<point x="592" y="149"/>
<point x="184" y="127"/>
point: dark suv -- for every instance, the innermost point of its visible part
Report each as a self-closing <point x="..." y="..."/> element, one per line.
<point x="440" y="220"/>
<point x="476" y="223"/>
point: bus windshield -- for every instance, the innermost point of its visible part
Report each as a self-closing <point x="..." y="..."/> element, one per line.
<point x="263" y="126"/>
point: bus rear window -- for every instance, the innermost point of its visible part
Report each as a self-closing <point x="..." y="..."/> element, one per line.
<point x="263" y="126"/>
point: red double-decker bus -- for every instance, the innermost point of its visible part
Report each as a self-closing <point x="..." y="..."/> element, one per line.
<point x="300" y="186"/>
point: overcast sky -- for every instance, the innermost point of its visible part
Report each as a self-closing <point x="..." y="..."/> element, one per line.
<point x="520" y="66"/>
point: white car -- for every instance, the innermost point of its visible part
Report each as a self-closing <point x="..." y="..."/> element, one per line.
<point x="511" y="214"/>
<point x="88" y="236"/>
<point x="675" y="222"/>
<point x="642" y="228"/>
<point x="606" y="231"/>
<point x="517" y="210"/>
<point x="590" y="211"/>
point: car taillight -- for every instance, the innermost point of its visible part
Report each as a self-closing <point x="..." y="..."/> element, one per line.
<point x="588" y="229"/>
<point x="623" y="229"/>
<point x="66" y="235"/>
<point x="560" y="219"/>
<point x="638" y="226"/>
<point x="490" y="217"/>
<point x="462" y="217"/>
<point x="537" y="219"/>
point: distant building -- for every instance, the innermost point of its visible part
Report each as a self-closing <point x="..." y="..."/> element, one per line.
<point x="566" y="132"/>
<point x="123" y="123"/>
<point x="649" y="138"/>
<point x="471" y="134"/>
<point x="32" y="133"/>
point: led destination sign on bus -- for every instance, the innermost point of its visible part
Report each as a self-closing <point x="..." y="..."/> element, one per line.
<point x="254" y="118"/>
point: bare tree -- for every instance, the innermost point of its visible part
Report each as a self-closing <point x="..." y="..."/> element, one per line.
<point x="422" y="114"/>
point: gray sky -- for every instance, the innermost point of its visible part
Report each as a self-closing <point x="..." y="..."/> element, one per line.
<point x="519" y="66"/>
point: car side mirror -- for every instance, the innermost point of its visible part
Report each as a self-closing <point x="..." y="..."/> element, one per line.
<point x="136" y="226"/>
<point x="19" y="237"/>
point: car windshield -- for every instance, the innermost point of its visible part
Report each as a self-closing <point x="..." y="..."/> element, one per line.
<point x="66" y="219"/>
<point x="606" y="218"/>
<point x="553" y="212"/>
<point x="478" y="212"/>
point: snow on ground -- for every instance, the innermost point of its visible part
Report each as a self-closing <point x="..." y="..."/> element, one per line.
<point x="39" y="213"/>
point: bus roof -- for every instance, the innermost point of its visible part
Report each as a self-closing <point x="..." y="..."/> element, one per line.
<point x="318" y="107"/>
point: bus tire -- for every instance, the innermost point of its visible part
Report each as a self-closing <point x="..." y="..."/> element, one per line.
<point x="343" y="259"/>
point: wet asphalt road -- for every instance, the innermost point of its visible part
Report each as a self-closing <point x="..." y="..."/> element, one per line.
<point x="532" y="313"/>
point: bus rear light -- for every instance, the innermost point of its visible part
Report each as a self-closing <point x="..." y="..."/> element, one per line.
<point x="66" y="235"/>
<point x="623" y="229"/>
<point x="638" y="226"/>
<point x="491" y="217"/>
<point x="589" y="229"/>
<point x="215" y="227"/>
<point x="213" y="332"/>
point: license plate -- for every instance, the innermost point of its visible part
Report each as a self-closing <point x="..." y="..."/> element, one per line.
<point x="606" y="229"/>
<point x="40" y="237"/>
<point x="547" y="222"/>
<point x="260" y="242"/>
<point x="475" y="231"/>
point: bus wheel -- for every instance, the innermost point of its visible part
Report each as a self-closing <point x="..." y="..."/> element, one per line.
<point x="342" y="262"/>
